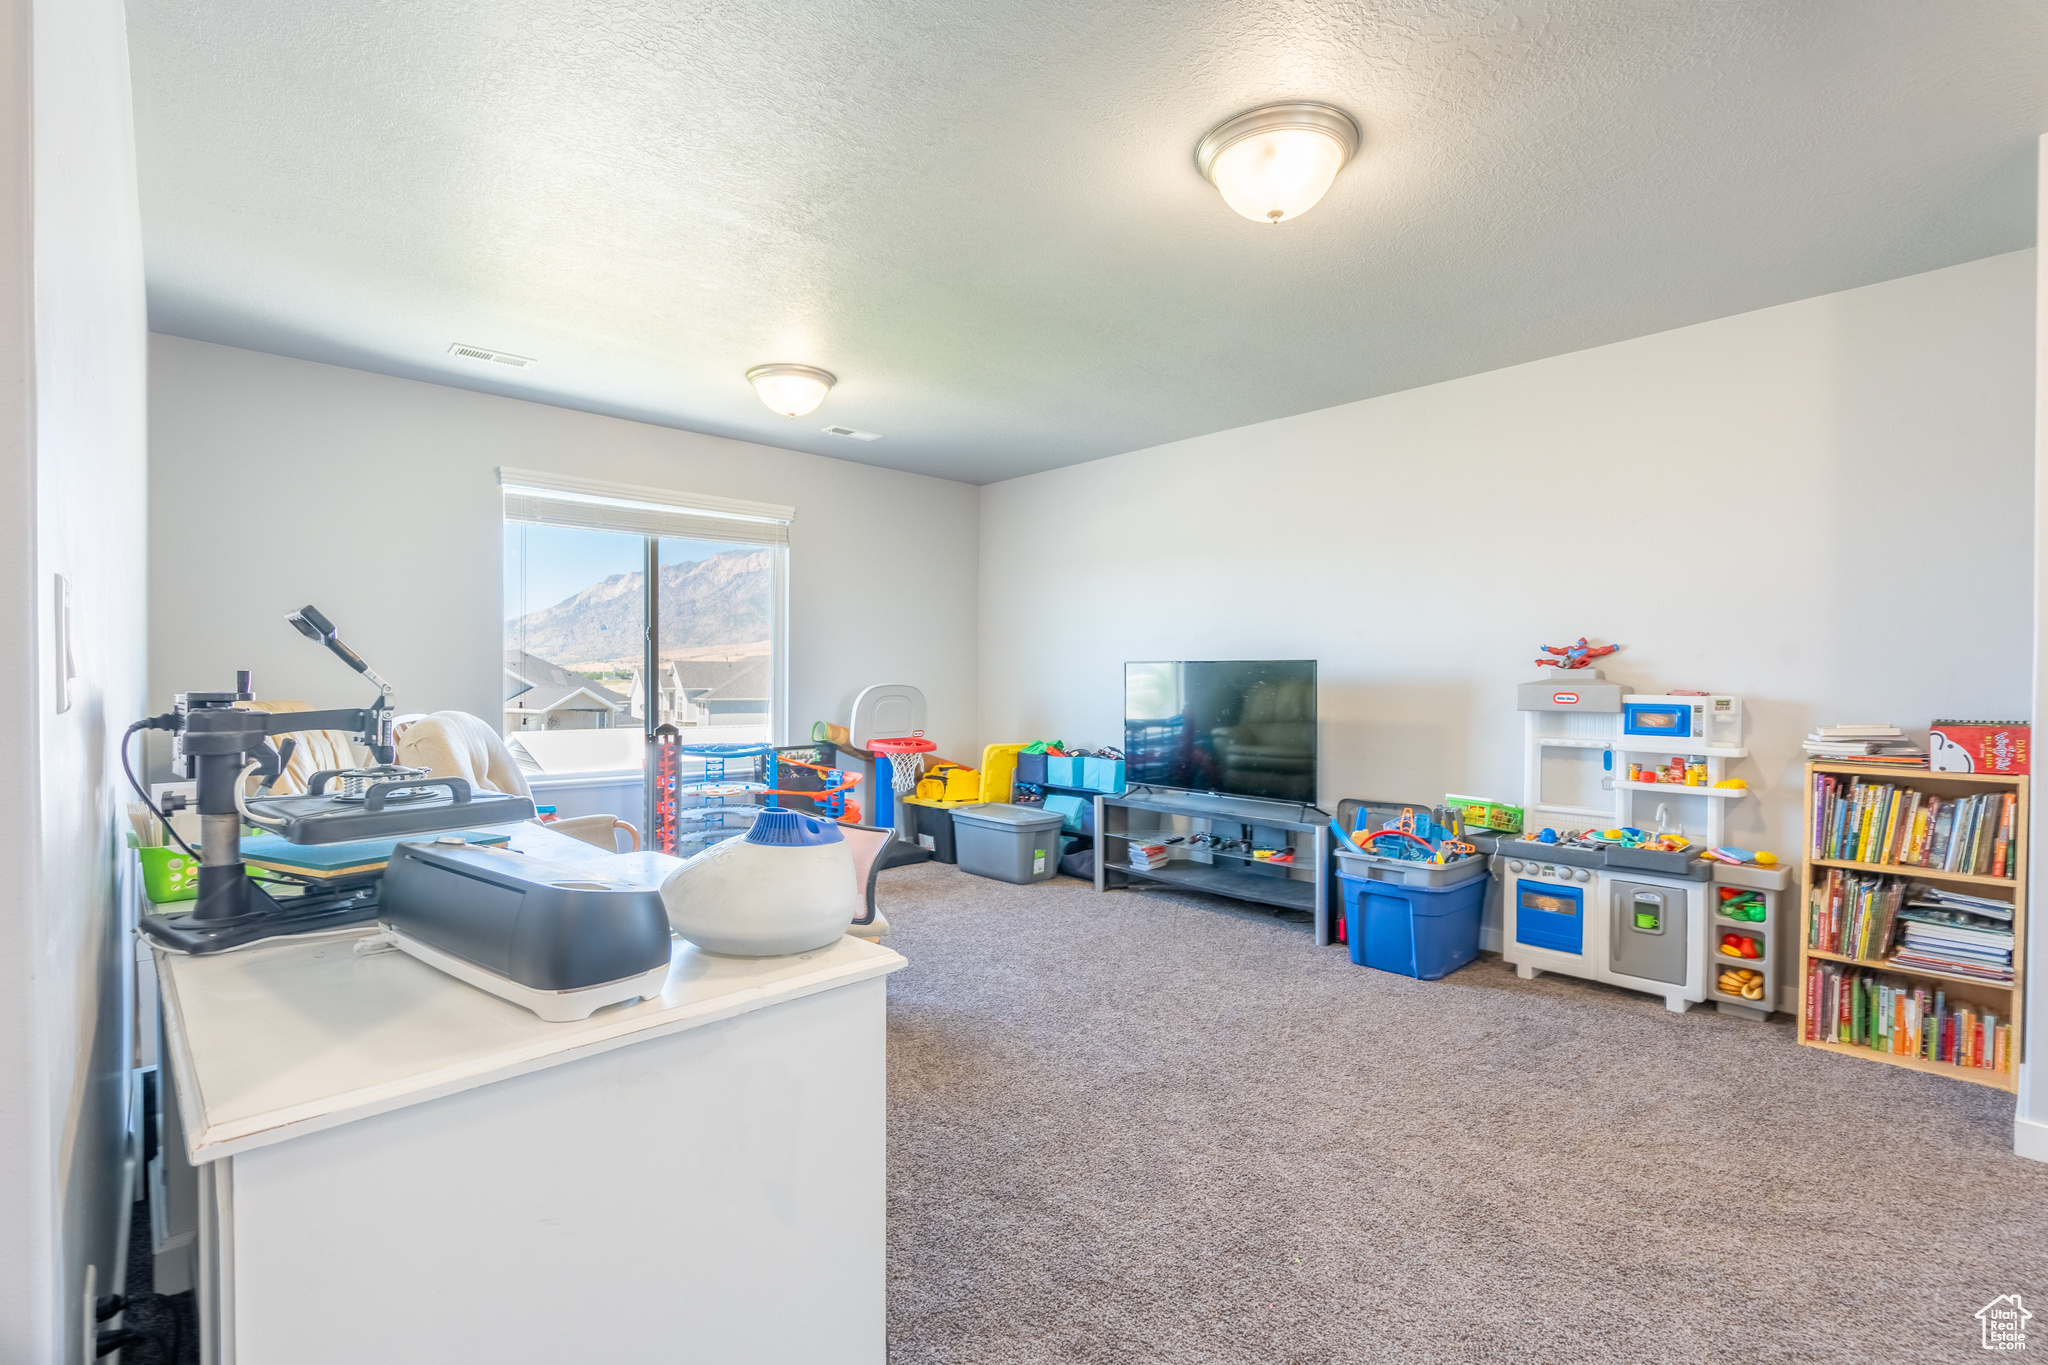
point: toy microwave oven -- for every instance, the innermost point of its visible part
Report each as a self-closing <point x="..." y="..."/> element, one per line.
<point x="1708" y="722"/>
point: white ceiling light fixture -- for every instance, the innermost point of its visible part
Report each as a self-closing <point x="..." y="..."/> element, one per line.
<point x="791" y="390"/>
<point x="1273" y="164"/>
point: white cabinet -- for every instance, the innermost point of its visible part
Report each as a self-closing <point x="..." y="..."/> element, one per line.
<point x="397" y="1167"/>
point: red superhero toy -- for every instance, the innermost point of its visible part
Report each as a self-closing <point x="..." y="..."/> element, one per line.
<point x="1579" y="655"/>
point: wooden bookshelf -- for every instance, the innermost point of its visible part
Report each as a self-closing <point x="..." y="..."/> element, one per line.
<point x="2007" y="1001"/>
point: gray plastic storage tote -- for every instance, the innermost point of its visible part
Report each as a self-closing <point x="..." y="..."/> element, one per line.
<point x="1008" y="843"/>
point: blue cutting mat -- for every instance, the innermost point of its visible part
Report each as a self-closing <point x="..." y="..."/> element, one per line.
<point x="270" y="850"/>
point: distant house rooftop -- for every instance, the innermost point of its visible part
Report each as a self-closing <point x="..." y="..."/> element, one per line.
<point x="709" y="680"/>
<point x="534" y="684"/>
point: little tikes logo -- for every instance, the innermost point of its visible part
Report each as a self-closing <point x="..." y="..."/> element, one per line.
<point x="1565" y="698"/>
<point x="2005" y="1323"/>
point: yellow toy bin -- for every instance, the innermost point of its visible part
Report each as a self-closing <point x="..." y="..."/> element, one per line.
<point x="999" y="771"/>
<point x="932" y="824"/>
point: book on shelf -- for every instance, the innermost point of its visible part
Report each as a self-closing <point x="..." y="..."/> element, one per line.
<point x="1853" y="913"/>
<point x="1865" y="744"/>
<point x="1860" y="820"/>
<point x="1881" y="918"/>
<point x="1936" y="938"/>
<point x="1150" y="857"/>
<point x="1865" y="1008"/>
<point x="1942" y="898"/>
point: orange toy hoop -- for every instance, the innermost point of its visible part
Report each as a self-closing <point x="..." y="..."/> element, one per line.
<point x="906" y="756"/>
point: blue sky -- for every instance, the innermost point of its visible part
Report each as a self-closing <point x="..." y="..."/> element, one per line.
<point x="547" y="564"/>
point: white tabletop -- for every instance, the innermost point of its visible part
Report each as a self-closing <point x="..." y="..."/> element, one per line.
<point x="297" y="1035"/>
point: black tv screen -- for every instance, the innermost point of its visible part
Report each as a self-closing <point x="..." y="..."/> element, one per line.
<point x="1245" y="727"/>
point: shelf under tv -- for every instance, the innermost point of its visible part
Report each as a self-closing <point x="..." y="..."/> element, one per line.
<point x="1221" y="881"/>
<point x="1151" y="814"/>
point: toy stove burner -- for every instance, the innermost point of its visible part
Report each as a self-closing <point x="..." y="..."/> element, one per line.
<point x="355" y="783"/>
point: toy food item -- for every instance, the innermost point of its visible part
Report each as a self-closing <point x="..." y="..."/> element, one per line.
<point x="1737" y="904"/>
<point x="1733" y="784"/>
<point x="1740" y="945"/>
<point x="1742" y="981"/>
<point x="1766" y="860"/>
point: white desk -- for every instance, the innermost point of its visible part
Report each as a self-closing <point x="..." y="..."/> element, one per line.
<point x="397" y="1167"/>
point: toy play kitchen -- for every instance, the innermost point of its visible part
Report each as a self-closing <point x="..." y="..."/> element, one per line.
<point x="1566" y="912"/>
<point x="1620" y="874"/>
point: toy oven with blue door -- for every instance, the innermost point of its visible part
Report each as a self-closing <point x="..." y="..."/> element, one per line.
<point x="1673" y="720"/>
<point x="1548" y="915"/>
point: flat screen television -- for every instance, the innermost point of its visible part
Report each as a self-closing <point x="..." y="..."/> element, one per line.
<point x="1242" y="727"/>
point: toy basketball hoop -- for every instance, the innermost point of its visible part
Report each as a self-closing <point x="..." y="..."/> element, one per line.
<point x="906" y="756"/>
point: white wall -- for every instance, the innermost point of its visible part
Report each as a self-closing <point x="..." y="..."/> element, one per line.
<point x="72" y="357"/>
<point x="1824" y="507"/>
<point x="2030" y="1121"/>
<point x="278" y="482"/>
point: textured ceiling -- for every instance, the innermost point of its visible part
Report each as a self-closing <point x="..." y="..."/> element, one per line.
<point x="983" y="215"/>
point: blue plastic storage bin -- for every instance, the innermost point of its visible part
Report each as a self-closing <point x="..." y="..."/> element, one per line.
<point x="1031" y="768"/>
<point x="1419" y="931"/>
<point x="1062" y="771"/>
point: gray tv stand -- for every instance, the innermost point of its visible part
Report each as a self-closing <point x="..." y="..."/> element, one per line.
<point x="1302" y="885"/>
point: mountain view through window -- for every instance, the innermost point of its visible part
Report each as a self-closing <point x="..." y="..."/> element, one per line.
<point x="577" y="698"/>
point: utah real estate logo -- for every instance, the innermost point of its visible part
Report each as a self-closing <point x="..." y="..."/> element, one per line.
<point x="2005" y="1323"/>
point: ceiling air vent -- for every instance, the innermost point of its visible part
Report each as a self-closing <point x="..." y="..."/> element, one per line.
<point x="853" y="433"/>
<point x="517" y="362"/>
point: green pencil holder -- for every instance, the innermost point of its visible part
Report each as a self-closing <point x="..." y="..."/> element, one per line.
<point x="169" y="874"/>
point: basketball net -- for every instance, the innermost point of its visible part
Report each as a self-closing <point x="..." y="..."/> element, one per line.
<point x="906" y="759"/>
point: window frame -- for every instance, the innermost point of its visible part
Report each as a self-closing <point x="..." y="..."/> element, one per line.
<point x="539" y="498"/>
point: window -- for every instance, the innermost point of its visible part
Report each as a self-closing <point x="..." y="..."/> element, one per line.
<point x="586" y="679"/>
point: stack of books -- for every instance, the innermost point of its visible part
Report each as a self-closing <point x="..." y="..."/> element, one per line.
<point x="1150" y="857"/>
<point x="1854" y="915"/>
<point x="1865" y="1009"/>
<point x="1969" y="936"/>
<point x="1859" y="821"/>
<point x="1866" y="744"/>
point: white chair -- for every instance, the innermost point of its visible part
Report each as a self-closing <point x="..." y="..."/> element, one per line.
<point x="312" y="750"/>
<point x="457" y="744"/>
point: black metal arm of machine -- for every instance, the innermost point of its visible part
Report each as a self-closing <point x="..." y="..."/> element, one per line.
<point x="219" y="744"/>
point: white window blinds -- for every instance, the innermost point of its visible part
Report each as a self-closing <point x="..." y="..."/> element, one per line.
<point x="564" y="500"/>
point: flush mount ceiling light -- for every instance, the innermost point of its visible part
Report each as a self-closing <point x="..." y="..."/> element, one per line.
<point x="791" y="390"/>
<point x="1274" y="163"/>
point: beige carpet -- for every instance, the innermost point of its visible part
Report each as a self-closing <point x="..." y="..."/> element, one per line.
<point x="1137" y="1127"/>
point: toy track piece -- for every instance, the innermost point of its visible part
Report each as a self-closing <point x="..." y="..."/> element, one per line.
<point x="1416" y="839"/>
